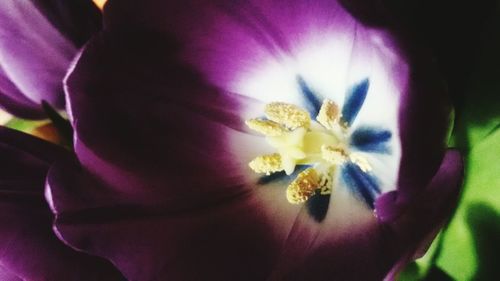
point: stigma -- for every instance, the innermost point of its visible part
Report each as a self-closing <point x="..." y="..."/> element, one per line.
<point x="320" y="144"/>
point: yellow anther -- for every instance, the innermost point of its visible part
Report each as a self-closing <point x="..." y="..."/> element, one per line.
<point x="266" y="164"/>
<point x="333" y="154"/>
<point x="303" y="187"/>
<point x="328" y="115"/>
<point x="289" y="115"/>
<point x="361" y="161"/>
<point x="266" y="127"/>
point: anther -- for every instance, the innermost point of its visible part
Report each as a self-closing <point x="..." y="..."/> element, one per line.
<point x="266" y="164"/>
<point x="333" y="154"/>
<point x="266" y="127"/>
<point x="289" y="115"/>
<point x="328" y="114"/>
<point x="303" y="187"/>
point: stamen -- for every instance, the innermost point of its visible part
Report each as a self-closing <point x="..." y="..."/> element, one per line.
<point x="328" y="115"/>
<point x="266" y="127"/>
<point x="289" y="115"/>
<point x="266" y="164"/>
<point x="326" y="184"/>
<point x="361" y="161"/>
<point x="334" y="154"/>
<point x="303" y="187"/>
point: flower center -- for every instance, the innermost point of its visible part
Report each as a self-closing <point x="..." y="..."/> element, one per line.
<point x="321" y="145"/>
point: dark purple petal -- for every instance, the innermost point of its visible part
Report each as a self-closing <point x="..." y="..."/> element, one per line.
<point x="29" y="247"/>
<point x="424" y="124"/>
<point x="233" y="44"/>
<point x="38" y="40"/>
<point x="77" y="20"/>
<point x="417" y="223"/>
<point x="241" y="238"/>
<point x="148" y="125"/>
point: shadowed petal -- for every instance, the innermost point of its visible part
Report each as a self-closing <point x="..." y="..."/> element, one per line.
<point x="234" y="234"/>
<point x="419" y="222"/>
<point x="29" y="249"/>
<point x="254" y="48"/>
<point x="179" y="131"/>
<point x="38" y="40"/>
<point x="77" y="20"/>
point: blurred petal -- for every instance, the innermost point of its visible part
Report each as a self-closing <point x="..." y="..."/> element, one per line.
<point x="5" y="275"/>
<point x="38" y="40"/>
<point x="30" y="250"/>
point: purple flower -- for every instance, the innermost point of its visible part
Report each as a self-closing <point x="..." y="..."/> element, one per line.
<point x="30" y="250"/>
<point x="38" y="40"/>
<point x="162" y="185"/>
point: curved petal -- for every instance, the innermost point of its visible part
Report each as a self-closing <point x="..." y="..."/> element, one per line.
<point x="243" y="236"/>
<point x="77" y="20"/>
<point x="175" y="129"/>
<point x="38" y="40"/>
<point x="29" y="249"/>
<point x="273" y="50"/>
<point x="155" y="104"/>
<point x="417" y="224"/>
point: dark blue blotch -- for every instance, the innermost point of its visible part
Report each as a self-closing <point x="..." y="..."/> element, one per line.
<point x="281" y="176"/>
<point x="371" y="139"/>
<point x="355" y="97"/>
<point x="317" y="206"/>
<point x="363" y="185"/>
<point x="313" y="101"/>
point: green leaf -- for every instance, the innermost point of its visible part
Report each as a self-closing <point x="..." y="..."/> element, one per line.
<point x="472" y="240"/>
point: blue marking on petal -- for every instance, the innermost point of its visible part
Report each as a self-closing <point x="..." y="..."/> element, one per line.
<point x="354" y="100"/>
<point x="363" y="185"/>
<point x="281" y="176"/>
<point x="313" y="102"/>
<point x="317" y="206"/>
<point x="371" y="139"/>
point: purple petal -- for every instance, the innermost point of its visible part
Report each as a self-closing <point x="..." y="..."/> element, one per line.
<point x="77" y="20"/>
<point x="6" y="275"/>
<point x="231" y="240"/>
<point x="236" y="45"/>
<point x="424" y="123"/>
<point x="37" y="43"/>
<point x="30" y="249"/>
<point x="162" y="186"/>
<point x="417" y="224"/>
<point x="241" y="238"/>
<point x="170" y="123"/>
